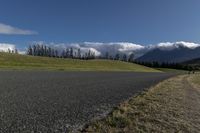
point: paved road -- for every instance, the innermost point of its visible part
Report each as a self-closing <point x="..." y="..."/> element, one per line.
<point x="59" y="101"/>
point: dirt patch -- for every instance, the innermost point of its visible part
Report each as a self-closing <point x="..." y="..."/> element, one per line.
<point x="171" y="106"/>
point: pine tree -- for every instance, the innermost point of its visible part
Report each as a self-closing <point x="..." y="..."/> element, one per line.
<point x="30" y="50"/>
<point x="117" y="56"/>
<point x="79" y="53"/>
<point x="71" y="52"/>
<point x="16" y="51"/>
<point x="131" y="57"/>
<point x="107" y="55"/>
<point x="124" y="57"/>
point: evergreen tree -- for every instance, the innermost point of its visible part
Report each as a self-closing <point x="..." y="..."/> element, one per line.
<point x="9" y="50"/>
<point x="79" y="53"/>
<point x="124" y="57"/>
<point x="30" y="50"/>
<point x="71" y="52"/>
<point x="16" y="51"/>
<point x="117" y="56"/>
<point x="107" y="55"/>
<point x="131" y="57"/>
<point x="34" y="50"/>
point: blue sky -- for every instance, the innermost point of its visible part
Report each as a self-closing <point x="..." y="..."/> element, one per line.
<point x="67" y="21"/>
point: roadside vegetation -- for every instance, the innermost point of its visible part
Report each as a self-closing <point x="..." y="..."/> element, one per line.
<point x="169" y="65"/>
<point x="26" y="62"/>
<point x="170" y="70"/>
<point x="195" y="80"/>
<point x="171" y="106"/>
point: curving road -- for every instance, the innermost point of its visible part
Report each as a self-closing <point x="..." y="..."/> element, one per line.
<point x="44" y="101"/>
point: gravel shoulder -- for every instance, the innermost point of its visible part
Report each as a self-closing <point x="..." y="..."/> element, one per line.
<point x="171" y="106"/>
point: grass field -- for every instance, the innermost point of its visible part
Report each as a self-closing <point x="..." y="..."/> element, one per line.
<point x="172" y="70"/>
<point x="170" y="106"/>
<point x="25" y="62"/>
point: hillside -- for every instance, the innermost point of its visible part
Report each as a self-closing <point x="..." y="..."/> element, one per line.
<point x="193" y="61"/>
<point x="179" y="54"/>
<point x="24" y="62"/>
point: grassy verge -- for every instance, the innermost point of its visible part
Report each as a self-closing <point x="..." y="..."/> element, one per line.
<point x="170" y="106"/>
<point x="24" y="62"/>
<point x="195" y="80"/>
<point x="172" y="70"/>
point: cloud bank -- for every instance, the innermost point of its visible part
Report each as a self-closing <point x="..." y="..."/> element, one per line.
<point x="174" y="45"/>
<point x="10" y="30"/>
<point x="4" y="47"/>
<point x="113" y="48"/>
<point x="100" y="49"/>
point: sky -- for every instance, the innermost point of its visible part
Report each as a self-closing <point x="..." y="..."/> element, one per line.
<point x="67" y="21"/>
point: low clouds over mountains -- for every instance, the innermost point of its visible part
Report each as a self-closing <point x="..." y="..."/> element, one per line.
<point x="113" y="48"/>
<point x="121" y="47"/>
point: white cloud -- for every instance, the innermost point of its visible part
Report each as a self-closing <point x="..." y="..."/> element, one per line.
<point x="188" y="44"/>
<point x="112" y="48"/>
<point x="100" y="49"/>
<point x="85" y="50"/>
<point x="174" y="45"/>
<point x="128" y="47"/>
<point x="4" y="47"/>
<point x="10" y="30"/>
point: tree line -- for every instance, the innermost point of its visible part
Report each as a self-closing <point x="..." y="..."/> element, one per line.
<point x="171" y="65"/>
<point x="75" y="53"/>
<point x="46" y="51"/>
<point x="121" y="57"/>
<point x="14" y="51"/>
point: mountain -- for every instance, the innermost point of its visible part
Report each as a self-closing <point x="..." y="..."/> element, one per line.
<point x="178" y="54"/>
<point x="194" y="62"/>
<point x="113" y="48"/>
<point x="161" y="51"/>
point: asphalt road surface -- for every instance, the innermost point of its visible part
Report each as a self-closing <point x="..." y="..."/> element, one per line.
<point x="33" y="101"/>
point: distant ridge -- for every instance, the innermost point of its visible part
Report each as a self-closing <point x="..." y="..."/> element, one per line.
<point x="179" y="54"/>
<point x="193" y="62"/>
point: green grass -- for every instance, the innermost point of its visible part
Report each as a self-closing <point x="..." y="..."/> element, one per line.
<point x="172" y="70"/>
<point x="25" y="62"/>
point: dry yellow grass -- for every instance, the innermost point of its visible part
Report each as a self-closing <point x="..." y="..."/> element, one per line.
<point x="171" y="106"/>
